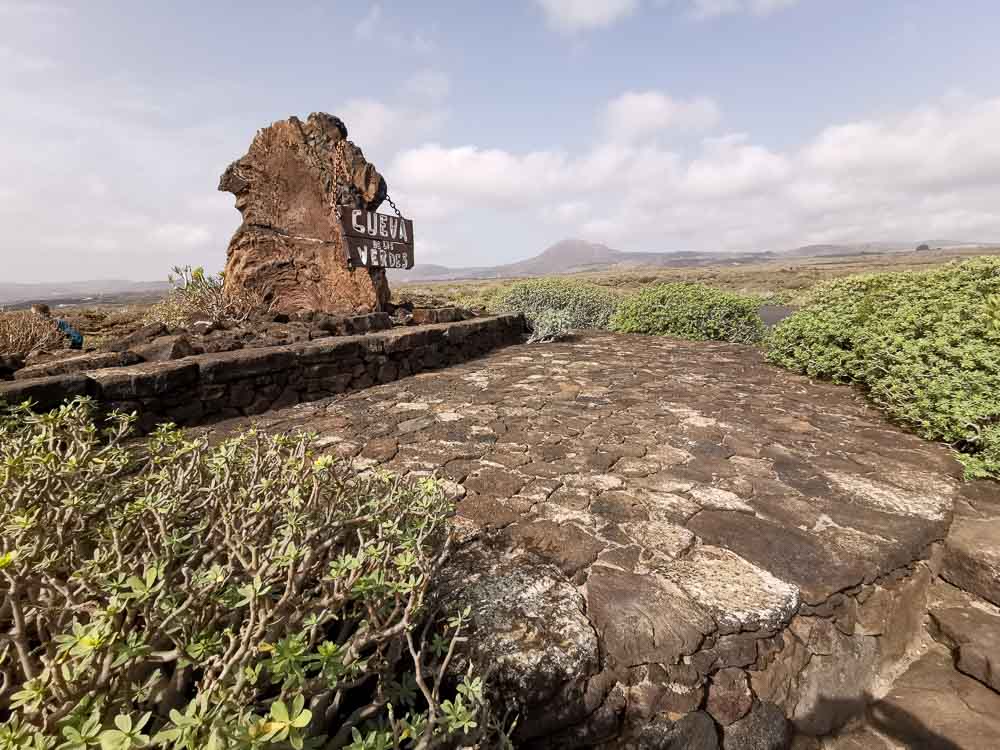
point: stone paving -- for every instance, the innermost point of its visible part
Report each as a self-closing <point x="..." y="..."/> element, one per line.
<point x="653" y="527"/>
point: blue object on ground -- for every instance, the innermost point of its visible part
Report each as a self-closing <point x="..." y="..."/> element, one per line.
<point x="74" y="336"/>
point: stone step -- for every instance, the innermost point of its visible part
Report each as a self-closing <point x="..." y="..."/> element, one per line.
<point x="932" y="706"/>
<point x="970" y="627"/>
<point x="971" y="558"/>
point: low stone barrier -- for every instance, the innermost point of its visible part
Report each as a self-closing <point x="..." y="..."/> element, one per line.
<point x="210" y="387"/>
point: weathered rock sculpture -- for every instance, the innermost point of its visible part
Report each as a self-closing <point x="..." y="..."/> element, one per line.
<point x="290" y="246"/>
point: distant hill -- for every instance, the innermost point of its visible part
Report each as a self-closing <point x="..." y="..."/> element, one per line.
<point x="877" y="248"/>
<point x="107" y="291"/>
<point x="568" y="256"/>
<point x="573" y="256"/>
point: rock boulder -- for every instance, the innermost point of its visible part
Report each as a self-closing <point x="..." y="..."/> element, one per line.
<point x="290" y="246"/>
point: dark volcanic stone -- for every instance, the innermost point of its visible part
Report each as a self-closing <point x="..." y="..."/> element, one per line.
<point x="976" y="636"/>
<point x="350" y="325"/>
<point x="729" y="696"/>
<point x="695" y="731"/>
<point x="166" y="348"/>
<point x="528" y="624"/>
<point x="643" y="618"/>
<point x="142" y="336"/>
<point x="79" y="363"/>
<point x="226" y="367"/>
<point x="46" y="393"/>
<point x="422" y="315"/>
<point x="972" y="557"/>
<point x="492" y="481"/>
<point x="764" y="728"/>
<point x="149" y="380"/>
<point x="9" y="364"/>
<point x="564" y="545"/>
<point x="789" y="553"/>
<point x="934" y="706"/>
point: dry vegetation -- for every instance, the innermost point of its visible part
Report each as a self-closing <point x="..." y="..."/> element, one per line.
<point x="22" y="332"/>
<point x="198" y="294"/>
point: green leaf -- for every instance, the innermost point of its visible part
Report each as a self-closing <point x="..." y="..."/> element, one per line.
<point x="279" y="712"/>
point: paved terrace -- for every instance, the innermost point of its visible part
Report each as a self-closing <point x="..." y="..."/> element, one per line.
<point x="648" y="518"/>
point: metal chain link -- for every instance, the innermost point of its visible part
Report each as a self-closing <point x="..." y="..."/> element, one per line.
<point x="393" y="205"/>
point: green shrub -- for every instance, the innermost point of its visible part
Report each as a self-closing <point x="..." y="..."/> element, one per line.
<point x="197" y="294"/>
<point x="238" y="595"/>
<point x="579" y="305"/>
<point x="925" y="345"/>
<point x="691" y="311"/>
<point x="480" y="299"/>
<point x="550" y="325"/>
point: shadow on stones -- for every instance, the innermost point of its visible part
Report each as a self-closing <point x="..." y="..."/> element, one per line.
<point x="892" y="721"/>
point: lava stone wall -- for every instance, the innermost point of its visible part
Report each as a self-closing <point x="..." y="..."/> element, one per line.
<point x="211" y="387"/>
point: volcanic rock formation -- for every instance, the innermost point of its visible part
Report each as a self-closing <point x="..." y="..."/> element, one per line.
<point x="290" y="246"/>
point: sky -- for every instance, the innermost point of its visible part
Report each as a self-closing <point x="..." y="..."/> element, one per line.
<point x="502" y="127"/>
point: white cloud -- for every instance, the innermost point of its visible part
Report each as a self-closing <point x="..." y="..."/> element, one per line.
<point x="417" y="111"/>
<point x="713" y="8"/>
<point x="125" y="186"/>
<point x="638" y="114"/>
<point x="580" y="15"/>
<point x="929" y="173"/>
<point x="730" y="166"/>
<point x="375" y="26"/>
<point x="365" y="28"/>
<point x="492" y="175"/>
<point x="180" y="235"/>
<point x="33" y="9"/>
<point x="104" y="194"/>
<point x="432" y="85"/>
<point x="19" y="62"/>
<point x="381" y="128"/>
<point x="931" y="146"/>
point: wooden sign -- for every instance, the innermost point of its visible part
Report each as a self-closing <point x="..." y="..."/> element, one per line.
<point x="377" y="240"/>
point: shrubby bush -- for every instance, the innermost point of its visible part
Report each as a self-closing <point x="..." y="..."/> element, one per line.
<point x="550" y="325"/>
<point x="22" y="332"/>
<point x="196" y="293"/>
<point x="691" y="311"/>
<point x="247" y="594"/>
<point x="576" y="304"/>
<point x="925" y="345"/>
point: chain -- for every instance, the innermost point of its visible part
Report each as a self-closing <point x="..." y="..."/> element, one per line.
<point x="393" y="206"/>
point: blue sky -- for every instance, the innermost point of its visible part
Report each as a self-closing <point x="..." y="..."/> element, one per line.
<point x="502" y="127"/>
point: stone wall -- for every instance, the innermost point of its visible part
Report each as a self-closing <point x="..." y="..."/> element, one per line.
<point x="210" y="387"/>
<point x="750" y="684"/>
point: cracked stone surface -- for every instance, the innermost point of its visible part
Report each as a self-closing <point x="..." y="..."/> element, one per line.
<point x="970" y="627"/>
<point x="931" y="706"/>
<point x="972" y="557"/>
<point x="673" y="504"/>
